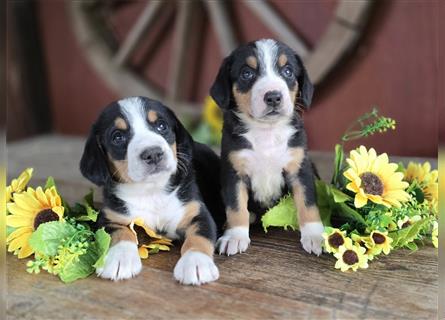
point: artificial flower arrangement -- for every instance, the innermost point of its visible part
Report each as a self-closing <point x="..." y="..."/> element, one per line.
<point x="61" y="237"/>
<point x="371" y="206"/>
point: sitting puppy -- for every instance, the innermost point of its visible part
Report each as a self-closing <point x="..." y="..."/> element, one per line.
<point x="260" y="87"/>
<point x="146" y="161"/>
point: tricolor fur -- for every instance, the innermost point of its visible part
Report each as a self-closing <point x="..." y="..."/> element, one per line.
<point x="150" y="168"/>
<point x="262" y="87"/>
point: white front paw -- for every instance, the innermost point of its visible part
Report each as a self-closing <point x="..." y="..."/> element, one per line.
<point x="311" y="237"/>
<point x="122" y="262"/>
<point x="195" y="268"/>
<point x="235" y="240"/>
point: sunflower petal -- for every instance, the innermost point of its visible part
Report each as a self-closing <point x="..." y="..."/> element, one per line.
<point x="18" y="221"/>
<point x="25" y="251"/>
<point x="19" y="232"/>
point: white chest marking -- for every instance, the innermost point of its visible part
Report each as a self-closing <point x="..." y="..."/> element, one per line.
<point x="160" y="210"/>
<point x="267" y="158"/>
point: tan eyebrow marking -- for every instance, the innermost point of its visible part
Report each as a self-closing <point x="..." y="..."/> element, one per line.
<point x="282" y="60"/>
<point x="120" y="123"/>
<point x="252" y="62"/>
<point x="152" y="116"/>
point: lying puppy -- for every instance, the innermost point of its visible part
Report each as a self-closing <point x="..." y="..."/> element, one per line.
<point x="260" y="87"/>
<point x="146" y="161"/>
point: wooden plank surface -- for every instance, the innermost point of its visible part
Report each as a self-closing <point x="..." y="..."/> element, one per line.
<point x="274" y="279"/>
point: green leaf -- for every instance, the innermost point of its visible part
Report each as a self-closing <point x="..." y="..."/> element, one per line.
<point x="102" y="242"/>
<point x="339" y="196"/>
<point x="345" y="211"/>
<point x="84" y="211"/>
<point x="324" y="201"/>
<point x="420" y="196"/>
<point x="406" y="235"/>
<point x="284" y="214"/>
<point x="49" y="236"/>
<point x="86" y="264"/>
<point x="50" y="183"/>
<point x="79" y="268"/>
<point x="411" y="246"/>
<point x="338" y="163"/>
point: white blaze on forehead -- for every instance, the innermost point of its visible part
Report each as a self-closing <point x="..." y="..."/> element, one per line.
<point x="142" y="138"/>
<point x="269" y="79"/>
<point x="267" y="51"/>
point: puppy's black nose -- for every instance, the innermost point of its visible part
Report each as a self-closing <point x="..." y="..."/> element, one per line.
<point x="273" y="98"/>
<point x="152" y="155"/>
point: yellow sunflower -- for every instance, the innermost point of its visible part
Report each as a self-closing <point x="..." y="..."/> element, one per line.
<point x="380" y="241"/>
<point x="365" y="242"/>
<point x="28" y="211"/>
<point x="333" y="239"/>
<point x="351" y="256"/>
<point x="212" y="114"/>
<point x="374" y="178"/>
<point x="148" y="240"/>
<point x="427" y="179"/>
<point x="18" y="185"/>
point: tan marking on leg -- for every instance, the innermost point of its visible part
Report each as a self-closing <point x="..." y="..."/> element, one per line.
<point x="121" y="224"/>
<point x="175" y="153"/>
<point x="119" y="170"/>
<point x="123" y="233"/>
<point x="198" y="243"/>
<point x="297" y="156"/>
<point x="241" y="216"/>
<point x="252" y="62"/>
<point x="243" y="100"/>
<point x="282" y="60"/>
<point x="238" y="162"/>
<point x="305" y="214"/>
<point x="191" y="210"/>
<point x="152" y="116"/>
<point x="116" y="217"/>
<point x="120" y="123"/>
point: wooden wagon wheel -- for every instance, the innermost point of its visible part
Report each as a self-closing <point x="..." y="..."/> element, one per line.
<point x="110" y="59"/>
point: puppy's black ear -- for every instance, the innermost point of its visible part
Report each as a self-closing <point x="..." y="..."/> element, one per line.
<point x="305" y="87"/>
<point x="222" y="87"/>
<point x="93" y="164"/>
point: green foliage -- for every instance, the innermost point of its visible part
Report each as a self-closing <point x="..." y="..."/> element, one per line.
<point x="83" y="211"/>
<point x="284" y="214"/>
<point x="71" y="251"/>
<point x="405" y="237"/>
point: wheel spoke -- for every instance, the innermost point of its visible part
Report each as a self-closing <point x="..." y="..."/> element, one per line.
<point x="132" y="40"/>
<point x="178" y="60"/>
<point x="275" y="22"/>
<point x="223" y="25"/>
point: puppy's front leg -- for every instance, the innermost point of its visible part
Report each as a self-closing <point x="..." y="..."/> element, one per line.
<point x="236" y="237"/>
<point x="301" y="182"/>
<point x="122" y="260"/>
<point x="196" y="264"/>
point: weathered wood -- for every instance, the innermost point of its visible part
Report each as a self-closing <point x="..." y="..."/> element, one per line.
<point x="275" y="279"/>
<point x="134" y="38"/>
<point x="276" y="23"/>
<point x="223" y="25"/>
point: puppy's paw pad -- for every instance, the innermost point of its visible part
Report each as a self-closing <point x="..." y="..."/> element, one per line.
<point x="195" y="268"/>
<point x="122" y="262"/>
<point x="311" y="237"/>
<point x="235" y="240"/>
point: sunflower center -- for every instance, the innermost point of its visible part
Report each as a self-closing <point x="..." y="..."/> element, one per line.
<point x="406" y="224"/>
<point x="372" y="183"/>
<point x="378" y="238"/>
<point x="143" y="237"/>
<point x="44" y="216"/>
<point x="336" y="240"/>
<point x="350" y="257"/>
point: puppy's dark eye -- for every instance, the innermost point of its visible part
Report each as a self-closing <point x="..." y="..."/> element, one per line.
<point x="287" y="72"/>
<point x="118" y="138"/>
<point x="161" y="126"/>
<point x="247" y="74"/>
